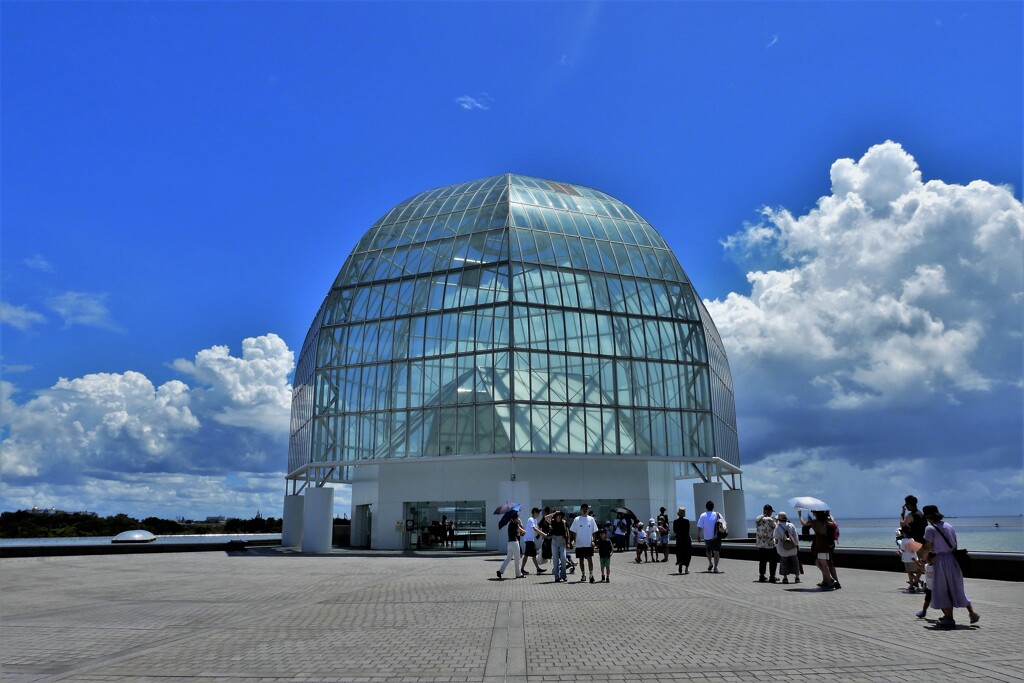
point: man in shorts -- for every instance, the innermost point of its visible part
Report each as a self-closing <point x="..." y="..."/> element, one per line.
<point x="585" y="528"/>
<point x="532" y="532"/>
<point x="708" y="527"/>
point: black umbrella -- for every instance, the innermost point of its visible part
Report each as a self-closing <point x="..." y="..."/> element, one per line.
<point x="625" y="512"/>
<point x="502" y="509"/>
<point x="507" y="517"/>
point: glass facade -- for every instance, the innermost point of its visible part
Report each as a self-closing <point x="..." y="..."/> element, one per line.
<point x="511" y="315"/>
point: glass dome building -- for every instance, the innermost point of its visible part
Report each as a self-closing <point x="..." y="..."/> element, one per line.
<point x="509" y="339"/>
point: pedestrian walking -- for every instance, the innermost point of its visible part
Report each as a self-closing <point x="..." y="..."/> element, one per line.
<point x="822" y="545"/>
<point x="559" y="542"/>
<point x="641" y="541"/>
<point x="585" y="528"/>
<point x="515" y="532"/>
<point x="684" y="547"/>
<point x="948" y="581"/>
<point x="663" y="534"/>
<point x="533" y="533"/>
<point x="711" y="524"/>
<point x="787" y="545"/>
<point x="767" y="556"/>
<point x="604" y="552"/>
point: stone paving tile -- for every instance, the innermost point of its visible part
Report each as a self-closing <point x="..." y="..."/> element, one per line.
<point x="270" y="615"/>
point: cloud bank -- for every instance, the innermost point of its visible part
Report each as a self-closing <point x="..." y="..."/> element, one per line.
<point x="883" y="325"/>
<point x="94" y="437"/>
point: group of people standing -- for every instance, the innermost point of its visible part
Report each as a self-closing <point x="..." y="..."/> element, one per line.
<point x="778" y="546"/>
<point x="557" y="537"/>
<point x="776" y="538"/>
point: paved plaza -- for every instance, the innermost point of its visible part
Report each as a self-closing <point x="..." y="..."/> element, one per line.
<point x="269" y="614"/>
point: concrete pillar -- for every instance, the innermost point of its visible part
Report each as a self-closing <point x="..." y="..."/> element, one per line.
<point x="735" y="513"/>
<point x="317" y="519"/>
<point x="291" y="522"/>
<point x="702" y="493"/>
<point x="513" y="492"/>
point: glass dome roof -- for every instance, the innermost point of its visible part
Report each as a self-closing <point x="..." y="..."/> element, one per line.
<point x="511" y="315"/>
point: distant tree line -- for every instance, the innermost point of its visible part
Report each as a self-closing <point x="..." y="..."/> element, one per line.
<point x="59" y="524"/>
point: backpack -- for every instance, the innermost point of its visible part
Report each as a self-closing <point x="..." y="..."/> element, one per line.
<point x="721" y="528"/>
<point x="835" y="529"/>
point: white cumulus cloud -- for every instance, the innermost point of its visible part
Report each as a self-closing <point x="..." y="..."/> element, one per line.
<point x="109" y="425"/>
<point x="252" y="391"/>
<point x="890" y="289"/>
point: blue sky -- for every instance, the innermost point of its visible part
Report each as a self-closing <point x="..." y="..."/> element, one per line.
<point x="180" y="177"/>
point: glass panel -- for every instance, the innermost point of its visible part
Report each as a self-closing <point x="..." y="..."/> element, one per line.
<point x="540" y="420"/>
<point x="573" y="331"/>
<point x="558" y="430"/>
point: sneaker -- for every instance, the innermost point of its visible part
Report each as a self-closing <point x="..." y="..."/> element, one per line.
<point x="710" y="567"/>
<point x="526" y="573"/>
<point x="921" y="614"/>
<point x="499" y="575"/>
<point x="541" y="571"/>
<point x="772" y="579"/>
<point x="583" y="577"/>
<point x="591" y="578"/>
<point x="974" y="617"/>
<point x="716" y="571"/>
<point x="946" y="622"/>
<point x="762" y="580"/>
<point x="911" y="590"/>
<point x="785" y="579"/>
<point x="796" y="580"/>
<point x="558" y="581"/>
<point x="686" y="570"/>
<point x="836" y="585"/>
<point x="680" y="569"/>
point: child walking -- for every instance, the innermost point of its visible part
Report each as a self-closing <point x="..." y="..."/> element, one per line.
<point x="909" y="558"/>
<point x="929" y="576"/>
<point x="641" y="541"/>
<point x="604" y="551"/>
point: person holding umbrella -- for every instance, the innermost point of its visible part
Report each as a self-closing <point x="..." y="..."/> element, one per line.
<point x="823" y="545"/>
<point x="515" y="531"/>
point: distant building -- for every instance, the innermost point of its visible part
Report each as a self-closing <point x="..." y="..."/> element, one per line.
<point x="509" y="339"/>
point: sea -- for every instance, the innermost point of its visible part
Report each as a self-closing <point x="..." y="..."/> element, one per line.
<point x="160" y="540"/>
<point x="979" y="534"/>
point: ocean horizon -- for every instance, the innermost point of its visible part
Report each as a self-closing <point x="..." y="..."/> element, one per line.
<point x="1001" y="534"/>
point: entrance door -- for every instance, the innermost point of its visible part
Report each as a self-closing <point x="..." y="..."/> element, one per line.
<point x="361" y="527"/>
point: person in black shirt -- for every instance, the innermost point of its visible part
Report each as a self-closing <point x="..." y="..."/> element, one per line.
<point x="684" y="546"/>
<point x="515" y="531"/>
<point x="913" y="524"/>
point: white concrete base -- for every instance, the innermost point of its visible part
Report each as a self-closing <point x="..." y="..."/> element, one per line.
<point x="644" y="486"/>
<point x="291" y="522"/>
<point x="735" y="512"/>
<point x="317" y="520"/>
<point x="702" y="493"/>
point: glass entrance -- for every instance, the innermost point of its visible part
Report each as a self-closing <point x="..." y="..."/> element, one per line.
<point x="445" y="525"/>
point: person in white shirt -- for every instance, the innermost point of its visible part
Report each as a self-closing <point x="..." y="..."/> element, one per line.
<point x="585" y="528"/>
<point x="533" y="534"/>
<point x="708" y="527"/>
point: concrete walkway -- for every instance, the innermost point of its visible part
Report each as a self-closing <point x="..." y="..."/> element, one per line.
<point x="269" y="614"/>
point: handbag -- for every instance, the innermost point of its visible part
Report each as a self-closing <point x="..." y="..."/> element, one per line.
<point x="721" y="530"/>
<point x="960" y="555"/>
